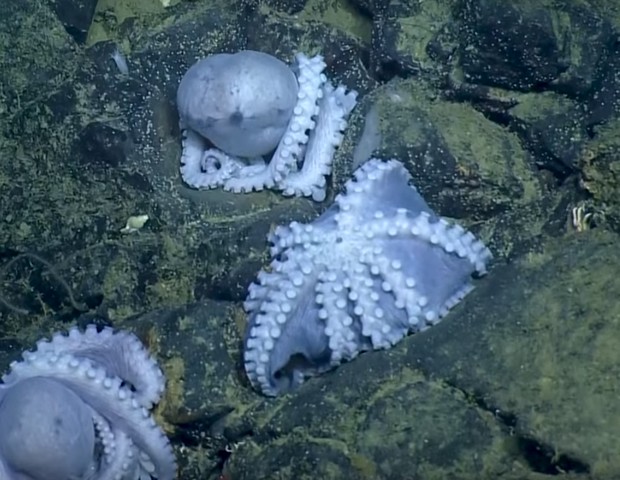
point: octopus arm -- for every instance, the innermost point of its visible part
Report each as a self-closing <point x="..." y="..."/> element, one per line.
<point x="119" y="353"/>
<point x="335" y="106"/>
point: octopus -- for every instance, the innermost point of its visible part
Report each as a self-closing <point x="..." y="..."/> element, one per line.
<point x="78" y="407"/>
<point x="236" y="109"/>
<point x="375" y="266"/>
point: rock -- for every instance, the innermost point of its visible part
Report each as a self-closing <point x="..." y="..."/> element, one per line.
<point x="508" y="145"/>
<point x="76" y="16"/>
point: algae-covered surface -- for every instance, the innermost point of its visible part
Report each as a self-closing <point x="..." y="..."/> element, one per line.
<point x="520" y="381"/>
<point x="552" y="367"/>
<point x="600" y="163"/>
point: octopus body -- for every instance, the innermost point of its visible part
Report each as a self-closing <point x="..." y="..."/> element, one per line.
<point x="375" y="266"/>
<point x="77" y="408"/>
<point x="235" y="109"/>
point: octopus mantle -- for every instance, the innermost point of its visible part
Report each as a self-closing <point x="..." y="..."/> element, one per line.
<point x="78" y="408"/>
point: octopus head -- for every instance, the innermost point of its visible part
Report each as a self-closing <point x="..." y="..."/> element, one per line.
<point x="46" y="431"/>
<point x="241" y="102"/>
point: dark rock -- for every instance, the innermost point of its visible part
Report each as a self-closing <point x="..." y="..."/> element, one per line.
<point x="371" y="7"/>
<point x="76" y="16"/>
<point x="290" y="7"/>
<point x="603" y="102"/>
<point x="402" y="41"/>
<point x="549" y="326"/>
<point x="103" y="144"/>
<point x="553" y="129"/>
<point x="599" y="166"/>
<point x="525" y="47"/>
<point x="457" y="171"/>
<point x="510" y="46"/>
<point x="285" y="37"/>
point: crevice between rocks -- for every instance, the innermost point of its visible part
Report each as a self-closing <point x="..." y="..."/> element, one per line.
<point x="539" y="456"/>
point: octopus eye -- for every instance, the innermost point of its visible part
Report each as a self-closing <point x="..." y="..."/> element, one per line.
<point x="236" y="118"/>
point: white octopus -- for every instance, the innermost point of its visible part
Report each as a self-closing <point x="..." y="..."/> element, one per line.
<point x="77" y="408"/>
<point x="235" y="109"/>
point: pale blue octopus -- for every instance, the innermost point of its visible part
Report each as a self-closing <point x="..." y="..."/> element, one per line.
<point x="235" y="109"/>
<point x="377" y="265"/>
<point x="77" y="408"/>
